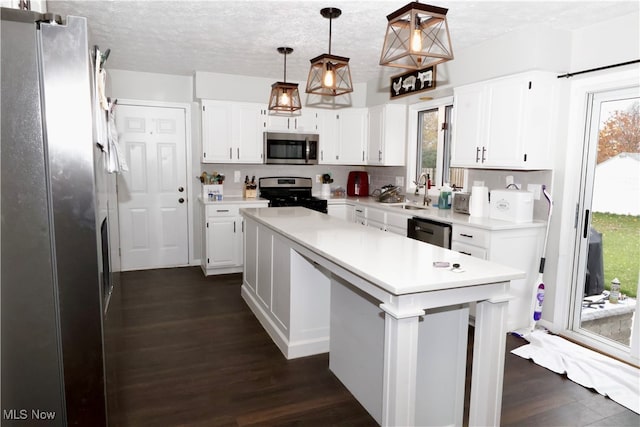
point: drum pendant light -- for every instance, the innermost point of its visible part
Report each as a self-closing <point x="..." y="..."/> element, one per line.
<point x="284" y="96"/>
<point x="417" y="37"/>
<point x="329" y="74"/>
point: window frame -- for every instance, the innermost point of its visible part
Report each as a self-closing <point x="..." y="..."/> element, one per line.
<point x="413" y="140"/>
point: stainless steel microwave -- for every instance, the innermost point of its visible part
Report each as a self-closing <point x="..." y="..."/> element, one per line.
<point x="291" y="148"/>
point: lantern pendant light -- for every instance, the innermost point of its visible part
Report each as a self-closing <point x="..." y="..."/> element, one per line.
<point x="329" y="74"/>
<point x="285" y="97"/>
<point x="417" y="37"/>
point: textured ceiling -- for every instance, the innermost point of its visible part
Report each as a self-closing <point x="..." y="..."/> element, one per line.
<point x="241" y="37"/>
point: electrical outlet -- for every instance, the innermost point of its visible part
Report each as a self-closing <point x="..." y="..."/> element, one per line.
<point x="400" y="181"/>
<point x="236" y="176"/>
<point x="318" y="178"/>
<point x="536" y="189"/>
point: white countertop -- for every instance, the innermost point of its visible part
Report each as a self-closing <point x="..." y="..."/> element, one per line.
<point x="394" y="263"/>
<point x="442" y="215"/>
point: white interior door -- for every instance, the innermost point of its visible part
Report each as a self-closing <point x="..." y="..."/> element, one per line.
<point x="152" y="195"/>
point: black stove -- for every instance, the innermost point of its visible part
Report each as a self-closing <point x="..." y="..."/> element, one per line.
<point x="290" y="191"/>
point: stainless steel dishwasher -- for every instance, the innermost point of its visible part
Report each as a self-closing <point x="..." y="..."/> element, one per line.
<point x="433" y="232"/>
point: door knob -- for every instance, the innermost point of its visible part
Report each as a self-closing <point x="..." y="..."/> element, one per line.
<point x="181" y="189"/>
<point x="180" y="200"/>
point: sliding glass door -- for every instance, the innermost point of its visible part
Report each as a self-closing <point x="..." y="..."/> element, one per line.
<point x="607" y="258"/>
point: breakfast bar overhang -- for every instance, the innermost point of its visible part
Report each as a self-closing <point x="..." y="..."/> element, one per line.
<point x="394" y="324"/>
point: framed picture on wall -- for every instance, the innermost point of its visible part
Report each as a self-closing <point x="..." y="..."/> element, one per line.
<point x="413" y="82"/>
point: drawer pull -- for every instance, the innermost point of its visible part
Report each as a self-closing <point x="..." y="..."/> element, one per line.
<point x="466" y="235"/>
<point x="465" y="253"/>
<point x="222" y="210"/>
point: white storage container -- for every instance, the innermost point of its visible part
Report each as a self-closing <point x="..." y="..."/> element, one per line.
<point x="511" y="205"/>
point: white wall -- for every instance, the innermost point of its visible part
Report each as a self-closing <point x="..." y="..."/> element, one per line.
<point x="609" y="42"/>
<point x="257" y="89"/>
<point x="149" y="86"/>
<point x="514" y="52"/>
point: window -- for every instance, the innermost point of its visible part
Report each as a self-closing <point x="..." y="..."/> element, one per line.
<point x="431" y="122"/>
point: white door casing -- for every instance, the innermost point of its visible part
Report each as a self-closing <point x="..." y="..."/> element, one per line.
<point x="152" y="195"/>
<point x="595" y="102"/>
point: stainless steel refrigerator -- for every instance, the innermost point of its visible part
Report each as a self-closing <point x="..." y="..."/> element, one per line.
<point x="54" y="259"/>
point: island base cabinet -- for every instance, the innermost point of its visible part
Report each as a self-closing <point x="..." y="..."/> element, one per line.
<point x="286" y="292"/>
<point x="357" y="355"/>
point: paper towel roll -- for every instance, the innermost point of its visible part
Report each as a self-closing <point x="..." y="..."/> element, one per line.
<point x="479" y="203"/>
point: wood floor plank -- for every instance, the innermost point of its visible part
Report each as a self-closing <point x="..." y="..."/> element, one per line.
<point x="185" y="350"/>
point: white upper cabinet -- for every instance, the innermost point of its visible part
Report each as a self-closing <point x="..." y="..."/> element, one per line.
<point x="232" y="132"/>
<point x="387" y="135"/>
<point x="505" y="123"/>
<point x="307" y="121"/>
<point x="217" y="129"/>
<point x="343" y="137"/>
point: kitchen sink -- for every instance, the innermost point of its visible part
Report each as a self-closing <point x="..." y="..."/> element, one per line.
<point x="412" y="207"/>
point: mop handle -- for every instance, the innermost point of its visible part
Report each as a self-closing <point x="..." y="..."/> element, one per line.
<point x="546" y="236"/>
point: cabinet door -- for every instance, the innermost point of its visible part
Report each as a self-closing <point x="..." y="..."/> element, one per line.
<point x="308" y="121"/>
<point x="375" y="135"/>
<point x="352" y="131"/>
<point x="216" y="132"/>
<point x="248" y="132"/>
<point x="329" y="147"/>
<point x="468" y="130"/>
<point x="504" y="119"/>
<point x="539" y="133"/>
<point x="222" y="242"/>
<point x="394" y="135"/>
<point x="279" y="123"/>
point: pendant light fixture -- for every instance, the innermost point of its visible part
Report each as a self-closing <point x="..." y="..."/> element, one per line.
<point x="417" y="37"/>
<point x="329" y="74"/>
<point x="285" y="97"/>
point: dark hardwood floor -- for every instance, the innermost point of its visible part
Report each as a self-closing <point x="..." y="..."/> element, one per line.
<point x="185" y="350"/>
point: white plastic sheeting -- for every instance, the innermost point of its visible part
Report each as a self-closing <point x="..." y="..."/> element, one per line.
<point x="609" y="377"/>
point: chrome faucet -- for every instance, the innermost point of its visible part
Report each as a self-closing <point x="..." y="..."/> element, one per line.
<point x="426" y="201"/>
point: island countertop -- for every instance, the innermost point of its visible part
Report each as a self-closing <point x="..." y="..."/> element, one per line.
<point x="394" y="263"/>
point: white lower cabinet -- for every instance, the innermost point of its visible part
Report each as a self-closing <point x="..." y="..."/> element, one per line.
<point x="518" y="248"/>
<point x="397" y="223"/>
<point x="222" y="241"/>
<point x="381" y="219"/>
<point x="288" y="293"/>
<point x="342" y="211"/>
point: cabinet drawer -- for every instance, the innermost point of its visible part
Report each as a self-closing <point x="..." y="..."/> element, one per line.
<point x="375" y="215"/>
<point x="471" y="250"/>
<point x="223" y="210"/>
<point x="470" y="235"/>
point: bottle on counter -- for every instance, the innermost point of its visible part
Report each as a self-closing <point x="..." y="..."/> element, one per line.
<point x="444" y="201"/>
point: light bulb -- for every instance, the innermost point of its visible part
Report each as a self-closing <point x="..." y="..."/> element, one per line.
<point x="329" y="78"/>
<point x="416" y="40"/>
<point x="284" y="99"/>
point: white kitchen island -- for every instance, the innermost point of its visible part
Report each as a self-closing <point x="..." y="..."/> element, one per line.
<point x="395" y="326"/>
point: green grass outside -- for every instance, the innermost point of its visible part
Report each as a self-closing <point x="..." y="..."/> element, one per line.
<point x="620" y="248"/>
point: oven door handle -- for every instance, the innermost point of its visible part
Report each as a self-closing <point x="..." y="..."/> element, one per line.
<point x="306" y="143"/>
